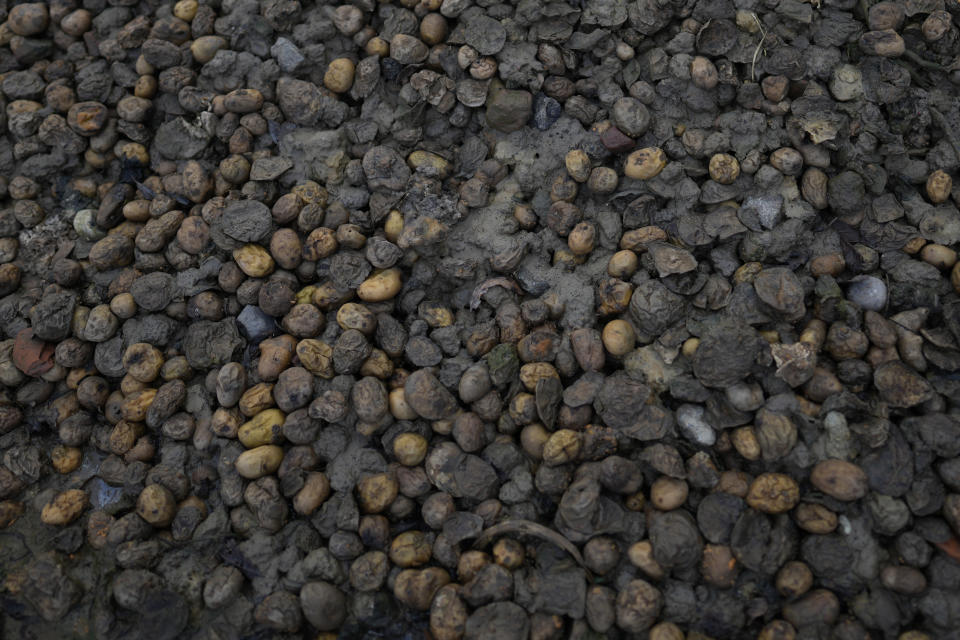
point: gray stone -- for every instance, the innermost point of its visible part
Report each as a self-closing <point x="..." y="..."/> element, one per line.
<point x="630" y="116"/>
<point x="485" y="34"/>
<point x="181" y="140"/>
<point x="316" y="155"/>
<point x="154" y="291"/>
<point x="211" y="344"/>
<point x="868" y="292"/>
<point x="269" y="168"/>
<point x="509" y="109"/>
<point x="52" y="316"/>
<point x="287" y="55"/>
<point x="255" y="324"/>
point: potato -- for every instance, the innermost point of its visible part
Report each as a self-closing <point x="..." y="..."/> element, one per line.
<point x="644" y="164"/>
<point x="433" y="28"/>
<point x="532" y="372"/>
<point x="668" y="493"/>
<point x="839" y="479"/>
<point x="724" y="168"/>
<point x="156" y="505"/>
<point x="65" y="508"/>
<point x="356" y="316"/>
<point x="65" y="459"/>
<point x="509" y="553"/>
<point x="254" y="260"/>
<point x="939" y="186"/>
<point x="321" y="243"/>
<point x="264" y="428"/>
<point x="578" y="164"/>
<point x="618" y="337"/>
<point x="623" y="264"/>
<point x="939" y="256"/>
<point x="381" y="286"/>
<point x="313" y="493"/>
<point x="410" y="448"/>
<point x="339" y="75"/>
<point x="259" y="462"/>
<point x="399" y="407"/>
<point x="256" y="399"/>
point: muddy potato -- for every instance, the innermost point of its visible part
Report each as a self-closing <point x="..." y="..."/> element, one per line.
<point x="794" y="579"/>
<point x="724" y="168"/>
<point x="936" y="25"/>
<point x="275" y="356"/>
<point x="815" y="518"/>
<point x="644" y="164"/>
<point x="286" y="248"/>
<point x="601" y="554"/>
<point x="377" y="492"/>
<point x="313" y="493"/>
<point x="470" y="564"/>
<point x="156" y="505"/>
<point x="65" y="507"/>
<point x="777" y="630"/>
<point x="666" y="631"/>
<point x="143" y="361"/>
<point x="533" y="438"/>
<point x="840" y="479"/>
<point x="563" y="446"/>
<point x="448" y="614"/>
<point x="773" y="493"/>
<point x="603" y="180"/>
<point x="640" y="555"/>
<point x="668" y="493"/>
<point x="134" y="407"/>
<point x="410" y="449"/>
<point x="410" y="549"/>
<point x="939" y="185"/>
<point x="704" y="73"/>
<point x="65" y="459"/>
<point x="316" y="357"/>
<point x="416" y="587"/>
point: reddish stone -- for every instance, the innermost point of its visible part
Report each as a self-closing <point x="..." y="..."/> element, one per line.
<point x="617" y="141"/>
<point x="33" y="357"/>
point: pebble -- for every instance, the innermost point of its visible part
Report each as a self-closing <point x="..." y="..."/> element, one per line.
<point x="868" y="293"/>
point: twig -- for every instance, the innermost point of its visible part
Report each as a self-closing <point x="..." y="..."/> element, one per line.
<point x="756" y="52"/>
<point x="947" y="130"/>
<point x="526" y="527"/>
<point x="913" y="57"/>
